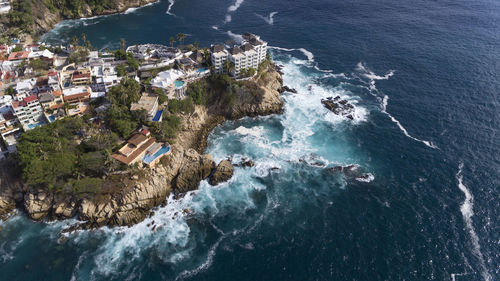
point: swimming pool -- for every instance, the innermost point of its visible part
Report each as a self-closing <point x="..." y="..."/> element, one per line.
<point x="201" y="70"/>
<point x="33" y="126"/>
<point x="158" y="116"/>
<point x="179" y="84"/>
<point x="148" y="159"/>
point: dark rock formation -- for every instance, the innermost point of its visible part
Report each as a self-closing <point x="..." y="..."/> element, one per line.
<point x="339" y="106"/>
<point x="288" y="89"/>
<point x="222" y="173"/>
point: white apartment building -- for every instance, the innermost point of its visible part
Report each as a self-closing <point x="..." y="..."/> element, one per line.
<point x="28" y="111"/>
<point x="250" y="54"/>
<point x="218" y="56"/>
<point x="260" y="46"/>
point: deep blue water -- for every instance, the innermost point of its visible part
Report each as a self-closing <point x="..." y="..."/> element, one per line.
<point x="424" y="77"/>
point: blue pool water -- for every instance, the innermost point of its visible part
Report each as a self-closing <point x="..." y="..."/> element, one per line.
<point x="201" y="70"/>
<point x="148" y="159"/>
<point x="32" y="126"/>
<point x="158" y="116"/>
<point x="179" y="84"/>
<point x="52" y="118"/>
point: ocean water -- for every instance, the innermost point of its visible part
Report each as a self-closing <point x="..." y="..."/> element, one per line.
<point x="424" y="78"/>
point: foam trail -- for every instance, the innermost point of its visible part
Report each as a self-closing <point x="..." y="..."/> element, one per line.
<point x="235" y="6"/>
<point x="384" y="110"/>
<point x="370" y="75"/>
<point x="236" y="37"/>
<point x="308" y="54"/>
<point x="467" y="209"/>
<point x="170" y="5"/>
<point x="232" y="9"/>
<point x="269" y="19"/>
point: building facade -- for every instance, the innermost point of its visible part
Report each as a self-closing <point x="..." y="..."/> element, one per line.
<point x="250" y="54"/>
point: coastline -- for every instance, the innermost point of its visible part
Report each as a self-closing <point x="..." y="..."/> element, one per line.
<point x="46" y="19"/>
<point x="138" y="194"/>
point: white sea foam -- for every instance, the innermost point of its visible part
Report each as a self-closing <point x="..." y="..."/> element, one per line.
<point x="372" y="77"/>
<point x="363" y="69"/>
<point x="384" y="110"/>
<point x="269" y="19"/>
<point x="236" y="37"/>
<point x="369" y="178"/>
<point x="256" y="131"/>
<point x="467" y="210"/>
<point x="170" y="5"/>
<point x="235" y="6"/>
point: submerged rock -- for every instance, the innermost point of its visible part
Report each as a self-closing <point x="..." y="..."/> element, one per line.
<point x="222" y="173"/>
<point x="339" y="107"/>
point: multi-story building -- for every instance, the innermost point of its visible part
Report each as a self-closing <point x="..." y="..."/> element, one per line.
<point x="260" y="46"/>
<point x="29" y="112"/>
<point x="250" y="54"/>
<point x="78" y="99"/>
<point x="218" y="56"/>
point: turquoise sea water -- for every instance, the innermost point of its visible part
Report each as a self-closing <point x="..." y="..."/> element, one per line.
<point x="423" y="76"/>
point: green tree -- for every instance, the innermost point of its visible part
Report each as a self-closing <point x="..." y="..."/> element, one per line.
<point x="172" y="41"/>
<point x="181" y="37"/>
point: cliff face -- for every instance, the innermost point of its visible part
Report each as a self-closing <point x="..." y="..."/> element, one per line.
<point x="180" y="172"/>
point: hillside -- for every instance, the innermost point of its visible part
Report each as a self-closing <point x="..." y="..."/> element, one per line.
<point x="35" y="17"/>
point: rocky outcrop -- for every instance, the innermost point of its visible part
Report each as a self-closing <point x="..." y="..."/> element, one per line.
<point x="222" y="173"/>
<point x="38" y="204"/>
<point x="7" y="205"/>
<point x="339" y="106"/>
<point x="267" y="102"/>
<point x="195" y="169"/>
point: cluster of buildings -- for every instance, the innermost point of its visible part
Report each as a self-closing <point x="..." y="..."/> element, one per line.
<point x="250" y="54"/>
<point x="29" y="99"/>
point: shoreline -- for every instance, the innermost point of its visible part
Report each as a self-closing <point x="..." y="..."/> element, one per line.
<point x="138" y="194"/>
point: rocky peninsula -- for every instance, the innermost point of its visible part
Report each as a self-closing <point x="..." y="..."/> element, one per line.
<point x="179" y="172"/>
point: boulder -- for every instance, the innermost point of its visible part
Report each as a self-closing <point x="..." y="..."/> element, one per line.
<point x="7" y="205"/>
<point x="222" y="173"/>
<point x="194" y="169"/>
<point x="64" y="208"/>
<point x="38" y="204"/>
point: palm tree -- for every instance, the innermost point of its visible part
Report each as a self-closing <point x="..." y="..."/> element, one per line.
<point x="74" y="42"/>
<point x="122" y="44"/>
<point x="181" y="37"/>
<point x="84" y="38"/>
<point x="172" y="41"/>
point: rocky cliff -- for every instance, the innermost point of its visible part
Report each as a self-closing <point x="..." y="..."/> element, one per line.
<point x="179" y="172"/>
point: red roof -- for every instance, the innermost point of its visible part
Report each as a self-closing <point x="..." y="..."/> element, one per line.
<point x="19" y="55"/>
<point x="78" y="76"/>
<point x="52" y="73"/>
<point x="29" y="98"/>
